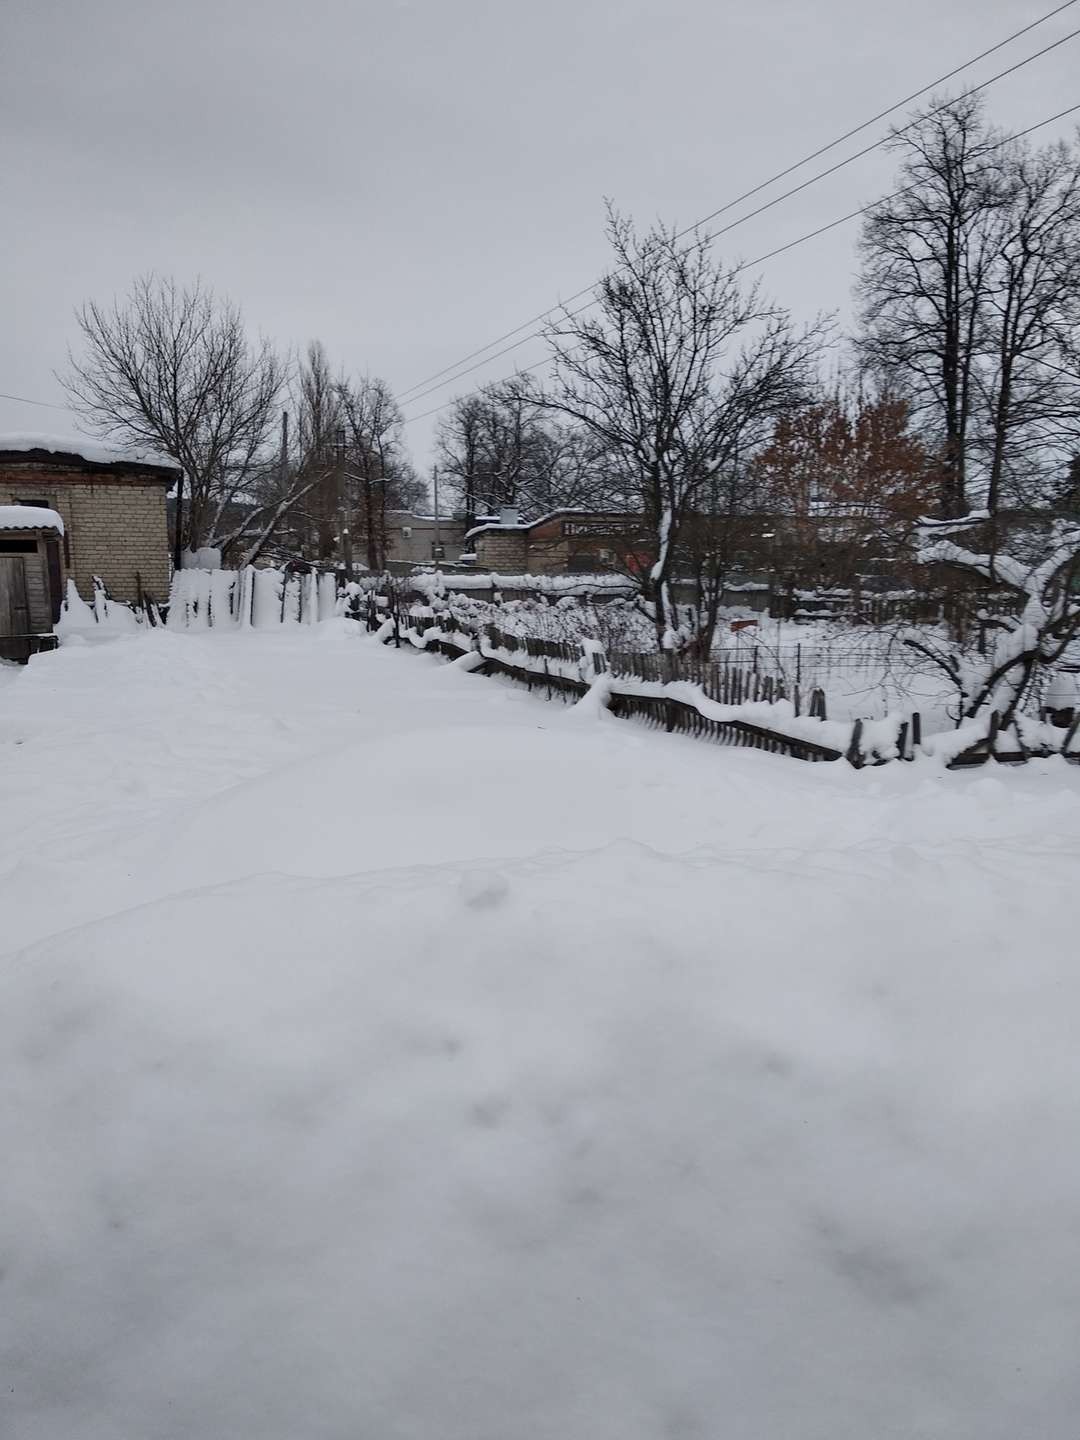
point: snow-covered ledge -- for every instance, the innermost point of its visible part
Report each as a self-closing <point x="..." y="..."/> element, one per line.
<point x="30" y="517"/>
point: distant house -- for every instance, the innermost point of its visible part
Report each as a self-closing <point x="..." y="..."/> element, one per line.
<point x="411" y="538"/>
<point x="111" y="505"/>
<point x="564" y="542"/>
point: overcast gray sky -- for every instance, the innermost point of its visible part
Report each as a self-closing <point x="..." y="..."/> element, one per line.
<point x="406" y="179"/>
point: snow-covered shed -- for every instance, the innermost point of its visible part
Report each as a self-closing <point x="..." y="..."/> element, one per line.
<point x="31" y="587"/>
<point x="111" y="503"/>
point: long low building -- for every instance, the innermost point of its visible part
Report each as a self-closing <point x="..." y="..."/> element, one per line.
<point x="111" y="503"/>
<point x="568" y="541"/>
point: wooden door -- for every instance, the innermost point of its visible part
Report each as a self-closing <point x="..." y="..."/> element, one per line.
<point x="14" y="606"/>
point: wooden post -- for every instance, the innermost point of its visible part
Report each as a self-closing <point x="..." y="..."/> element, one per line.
<point x="854" y="754"/>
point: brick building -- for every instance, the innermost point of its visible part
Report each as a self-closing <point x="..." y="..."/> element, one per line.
<point x="112" y="505"/>
<point x="564" y="542"/>
<point x="410" y="538"/>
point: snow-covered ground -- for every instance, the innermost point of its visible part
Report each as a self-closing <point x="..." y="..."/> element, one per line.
<point x="386" y="1052"/>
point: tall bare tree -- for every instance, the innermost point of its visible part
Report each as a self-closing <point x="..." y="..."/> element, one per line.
<point x="459" y="449"/>
<point x="319" y="421"/>
<point x="499" y="447"/>
<point x="682" y="369"/>
<point x="927" y="255"/>
<point x="970" y="297"/>
<point x="378" y="474"/>
<point x="1029" y="388"/>
<point x="172" y="368"/>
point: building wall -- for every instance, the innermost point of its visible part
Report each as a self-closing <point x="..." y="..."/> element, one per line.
<point x="502" y="550"/>
<point x="115" y="526"/>
<point x="416" y="547"/>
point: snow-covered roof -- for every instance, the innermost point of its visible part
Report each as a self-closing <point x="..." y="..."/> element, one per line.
<point x="29" y="517"/>
<point x="527" y="524"/>
<point x="96" y="452"/>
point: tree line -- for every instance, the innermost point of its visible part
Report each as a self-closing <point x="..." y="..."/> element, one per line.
<point x="280" y="457"/>
<point x="683" y="398"/>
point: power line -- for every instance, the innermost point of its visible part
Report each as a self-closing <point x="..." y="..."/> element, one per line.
<point x="747" y="264"/>
<point x="422" y="385"/>
<point x="45" y="404"/>
<point x="589" y="289"/>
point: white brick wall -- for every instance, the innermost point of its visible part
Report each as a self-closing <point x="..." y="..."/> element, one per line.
<point x="115" y="528"/>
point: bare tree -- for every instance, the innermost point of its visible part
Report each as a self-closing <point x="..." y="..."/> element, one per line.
<point x="927" y="257"/>
<point x="1031" y="400"/>
<point x="172" y="368"/>
<point x="498" y="447"/>
<point x="682" y="369"/>
<point x="459" y="450"/>
<point x="378" y="474"/>
<point x="970" y="291"/>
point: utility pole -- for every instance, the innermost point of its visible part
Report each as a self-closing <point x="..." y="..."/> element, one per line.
<point x="343" y="507"/>
<point x="436" y="549"/>
<point x="283" y="470"/>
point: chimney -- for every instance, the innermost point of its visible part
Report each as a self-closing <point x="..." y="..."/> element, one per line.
<point x="508" y="515"/>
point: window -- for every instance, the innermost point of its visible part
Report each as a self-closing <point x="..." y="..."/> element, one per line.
<point x="42" y="504"/>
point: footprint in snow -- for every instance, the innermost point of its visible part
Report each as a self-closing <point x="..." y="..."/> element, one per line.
<point x="483" y="889"/>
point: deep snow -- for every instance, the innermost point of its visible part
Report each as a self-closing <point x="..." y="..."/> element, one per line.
<point x="386" y="1052"/>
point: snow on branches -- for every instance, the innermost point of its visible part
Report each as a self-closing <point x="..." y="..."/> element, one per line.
<point x="1026" y="645"/>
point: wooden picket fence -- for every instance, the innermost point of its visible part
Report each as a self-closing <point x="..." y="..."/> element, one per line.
<point x="551" y="659"/>
<point x="727" y="683"/>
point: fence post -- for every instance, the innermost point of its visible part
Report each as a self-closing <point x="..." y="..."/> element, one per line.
<point x="854" y="754"/>
<point x="992" y="736"/>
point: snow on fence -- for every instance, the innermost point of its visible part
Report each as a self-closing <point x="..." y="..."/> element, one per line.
<point x="434" y="584"/>
<point x="718" y="700"/>
<point x="249" y="599"/>
<point x="741" y="710"/>
<point x="102" y="613"/>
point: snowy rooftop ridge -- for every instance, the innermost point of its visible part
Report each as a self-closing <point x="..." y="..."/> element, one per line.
<point x="96" y="452"/>
<point x="29" y="517"/>
<point x="495" y="524"/>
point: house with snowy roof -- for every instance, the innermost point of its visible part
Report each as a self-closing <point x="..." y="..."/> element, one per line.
<point x="566" y="541"/>
<point x="110" y="504"/>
